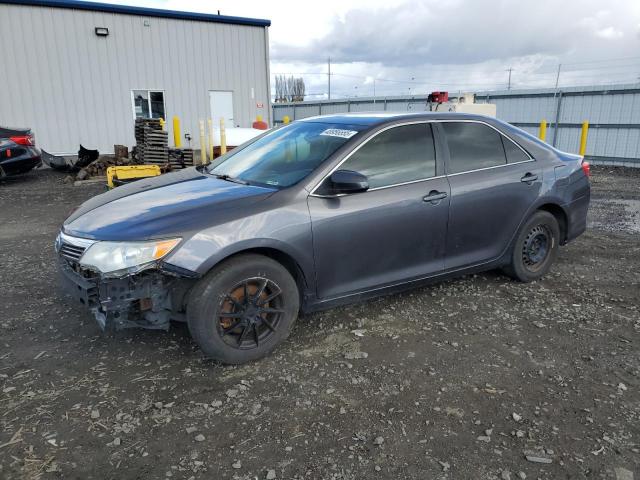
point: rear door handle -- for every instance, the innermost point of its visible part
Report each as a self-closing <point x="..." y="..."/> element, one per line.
<point x="434" y="196"/>
<point x="529" y="177"/>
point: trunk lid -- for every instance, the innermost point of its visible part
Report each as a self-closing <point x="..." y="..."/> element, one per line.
<point x="6" y="132"/>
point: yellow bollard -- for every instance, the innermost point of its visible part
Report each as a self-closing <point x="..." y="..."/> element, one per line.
<point x="203" y="149"/>
<point x="285" y="119"/>
<point x="223" y="138"/>
<point x="543" y="131"/>
<point x="583" y="138"/>
<point x="177" y="139"/>
<point x="210" y="143"/>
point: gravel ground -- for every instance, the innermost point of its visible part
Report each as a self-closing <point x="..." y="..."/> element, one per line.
<point x="479" y="377"/>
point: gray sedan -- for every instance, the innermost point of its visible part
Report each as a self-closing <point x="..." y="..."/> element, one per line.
<point x="325" y="211"/>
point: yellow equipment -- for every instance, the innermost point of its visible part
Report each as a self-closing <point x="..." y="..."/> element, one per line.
<point x="128" y="173"/>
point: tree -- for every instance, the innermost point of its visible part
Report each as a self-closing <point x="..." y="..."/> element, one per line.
<point x="289" y="89"/>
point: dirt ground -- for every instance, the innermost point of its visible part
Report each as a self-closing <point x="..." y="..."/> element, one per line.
<point x="479" y="377"/>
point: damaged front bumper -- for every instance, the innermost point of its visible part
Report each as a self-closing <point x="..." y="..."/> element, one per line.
<point x="148" y="299"/>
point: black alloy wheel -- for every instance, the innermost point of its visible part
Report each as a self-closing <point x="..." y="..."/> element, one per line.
<point x="243" y="308"/>
<point x="250" y="312"/>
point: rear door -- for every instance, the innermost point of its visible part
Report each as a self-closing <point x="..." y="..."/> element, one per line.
<point x="392" y="232"/>
<point x="493" y="182"/>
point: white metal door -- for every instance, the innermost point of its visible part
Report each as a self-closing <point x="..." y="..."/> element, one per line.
<point x="222" y="107"/>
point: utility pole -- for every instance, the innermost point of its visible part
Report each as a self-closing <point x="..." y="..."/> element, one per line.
<point x="509" y="84"/>
<point x="558" y="75"/>
<point x="329" y="75"/>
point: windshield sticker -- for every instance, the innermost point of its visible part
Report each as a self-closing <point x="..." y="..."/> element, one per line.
<point x="337" y="132"/>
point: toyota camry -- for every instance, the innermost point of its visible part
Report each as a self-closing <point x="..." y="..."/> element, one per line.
<point x="324" y="211"/>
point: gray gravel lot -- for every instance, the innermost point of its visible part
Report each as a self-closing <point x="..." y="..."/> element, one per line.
<point x="478" y="377"/>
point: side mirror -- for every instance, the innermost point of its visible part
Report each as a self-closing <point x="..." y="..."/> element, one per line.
<point x="348" y="181"/>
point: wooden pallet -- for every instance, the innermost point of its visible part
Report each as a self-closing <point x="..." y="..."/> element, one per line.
<point x="151" y="142"/>
<point x="180" y="158"/>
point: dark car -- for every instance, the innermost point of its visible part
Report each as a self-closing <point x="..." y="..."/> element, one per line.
<point x="321" y="212"/>
<point x="18" y="152"/>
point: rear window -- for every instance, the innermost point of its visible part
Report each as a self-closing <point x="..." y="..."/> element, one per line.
<point x="513" y="152"/>
<point x="473" y="146"/>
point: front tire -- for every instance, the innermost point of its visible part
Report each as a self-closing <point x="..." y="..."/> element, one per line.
<point x="535" y="248"/>
<point x="243" y="309"/>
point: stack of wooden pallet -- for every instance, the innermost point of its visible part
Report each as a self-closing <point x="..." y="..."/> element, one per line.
<point x="151" y="142"/>
<point x="180" y="158"/>
<point x="140" y="125"/>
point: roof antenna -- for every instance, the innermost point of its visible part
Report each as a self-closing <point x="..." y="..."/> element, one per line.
<point x="218" y="12"/>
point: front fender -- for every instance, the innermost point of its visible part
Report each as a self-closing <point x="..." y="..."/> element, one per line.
<point x="287" y="230"/>
<point x="258" y="243"/>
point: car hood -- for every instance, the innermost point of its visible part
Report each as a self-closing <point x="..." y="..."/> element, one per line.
<point x="174" y="204"/>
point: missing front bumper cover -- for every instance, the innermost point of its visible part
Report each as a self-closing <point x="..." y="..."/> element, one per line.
<point x="143" y="300"/>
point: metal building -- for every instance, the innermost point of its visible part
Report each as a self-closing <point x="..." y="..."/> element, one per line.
<point x="80" y="72"/>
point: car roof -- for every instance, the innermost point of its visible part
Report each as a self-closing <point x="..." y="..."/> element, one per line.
<point x="379" y="118"/>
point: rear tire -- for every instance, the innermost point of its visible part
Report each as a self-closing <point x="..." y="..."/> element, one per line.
<point x="535" y="248"/>
<point x="243" y="309"/>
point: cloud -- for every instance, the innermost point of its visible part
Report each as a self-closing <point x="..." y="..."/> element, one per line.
<point x="397" y="47"/>
<point x="609" y="33"/>
<point x="462" y="32"/>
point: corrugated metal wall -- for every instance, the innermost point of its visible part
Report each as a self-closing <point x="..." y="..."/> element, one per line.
<point x="613" y="113"/>
<point x="74" y="87"/>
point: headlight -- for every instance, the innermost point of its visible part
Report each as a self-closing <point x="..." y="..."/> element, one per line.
<point x="128" y="257"/>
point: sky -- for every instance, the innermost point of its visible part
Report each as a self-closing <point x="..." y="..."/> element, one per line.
<point x="399" y="47"/>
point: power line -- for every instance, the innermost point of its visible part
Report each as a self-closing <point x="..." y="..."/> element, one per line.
<point x="626" y="71"/>
<point x="603" y="60"/>
<point x="487" y="62"/>
<point x="378" y="79"/>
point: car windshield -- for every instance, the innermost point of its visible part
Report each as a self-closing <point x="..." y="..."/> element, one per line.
<point x="286" y="155"/>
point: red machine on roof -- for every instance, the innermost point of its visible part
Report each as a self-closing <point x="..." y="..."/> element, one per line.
<point x="462" y="103"/>
<point x="438" y="97"/>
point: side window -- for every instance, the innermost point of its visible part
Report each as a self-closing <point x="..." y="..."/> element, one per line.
<point x="513" y="152"/>
<point x="148" y="104"/>
<point x="398" y="155"/>
<point x="156" y="100"/>
<point x="473" y="146"/>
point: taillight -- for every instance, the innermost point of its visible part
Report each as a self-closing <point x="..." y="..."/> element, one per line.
<point x="26" y="140"/>
<point x="586" y="168"/>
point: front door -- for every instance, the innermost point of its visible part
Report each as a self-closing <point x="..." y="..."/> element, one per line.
<point x="221" y="103"/>
<point x="392" y="233"/>
<point x="493" y="184"/>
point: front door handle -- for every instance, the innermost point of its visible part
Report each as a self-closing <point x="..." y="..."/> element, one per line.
<point x="434" y="196"/>
<point x="529" y="177"/>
